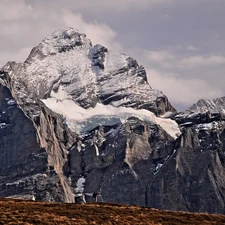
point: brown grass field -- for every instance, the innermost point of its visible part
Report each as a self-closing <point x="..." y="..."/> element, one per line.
<point x="28" y="212"/>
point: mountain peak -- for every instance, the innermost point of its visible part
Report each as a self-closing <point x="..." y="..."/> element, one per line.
<point x="60" y="41"/>
<point x="87" y="74"/>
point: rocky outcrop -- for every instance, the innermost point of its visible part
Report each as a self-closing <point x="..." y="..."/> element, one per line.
<point x="119" y="162"/>
<point x="34" y="148"/>
<point x="139" y="163"/>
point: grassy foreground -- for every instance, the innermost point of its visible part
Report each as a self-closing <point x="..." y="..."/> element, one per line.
<point x="28" y="212"/>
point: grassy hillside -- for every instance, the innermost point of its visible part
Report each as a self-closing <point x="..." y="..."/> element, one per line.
<point x="27" y="212"/>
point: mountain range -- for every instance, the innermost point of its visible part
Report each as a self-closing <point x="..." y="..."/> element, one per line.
<point x="78" y="119"/>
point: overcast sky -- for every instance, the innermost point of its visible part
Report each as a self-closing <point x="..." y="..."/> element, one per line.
<point x="181" y="43"/>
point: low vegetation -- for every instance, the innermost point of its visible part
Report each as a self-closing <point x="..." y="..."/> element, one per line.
<point x="28" y="212"/>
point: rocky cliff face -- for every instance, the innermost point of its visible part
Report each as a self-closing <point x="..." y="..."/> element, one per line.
<point x="34" y="148"/>
<point x="138" y="163"/>
<point x="77" y="119"/>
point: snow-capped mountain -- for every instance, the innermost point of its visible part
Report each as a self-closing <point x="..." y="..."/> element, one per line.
<point x="88" y="85"/>
<point x="87" y="75"/>
<point x="77" y="119"/>
<point x="203" y="111"/>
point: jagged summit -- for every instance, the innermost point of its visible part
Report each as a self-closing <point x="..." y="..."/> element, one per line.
<point x="58" y="42"/>
<point x="87" y="75"/>
<point x="203" y="105"/>
<point x="204" y="111"/>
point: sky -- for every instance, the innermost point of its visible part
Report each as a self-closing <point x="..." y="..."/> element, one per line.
<point x="181" y="43"/>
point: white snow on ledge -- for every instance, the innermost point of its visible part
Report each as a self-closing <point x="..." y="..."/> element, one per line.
<point x="80" y="186"/>
<point x="83" y="120"/>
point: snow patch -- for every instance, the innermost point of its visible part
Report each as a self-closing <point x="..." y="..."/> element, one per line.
<point x="167" y="114"/>
<point x="159" y="165"/>
<point x="96" y="150"/>
<point x="186" y="124"/>
<point x="82" y="120"/>
<point x="80" y="185"/>
<point x="2" y="125"/>
<point x="24" y="180"/>
<point x="207" y="126"/>
<point x="11" y="102"/>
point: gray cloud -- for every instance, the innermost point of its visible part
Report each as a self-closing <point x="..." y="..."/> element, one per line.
<point x="181" y="43"/>
<point x="181" y="90"/>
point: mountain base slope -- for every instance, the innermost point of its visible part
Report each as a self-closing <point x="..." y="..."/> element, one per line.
<point x="28" y="212"/>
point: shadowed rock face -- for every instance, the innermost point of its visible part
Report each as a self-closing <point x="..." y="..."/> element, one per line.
<point x="138" y="163"/>
<point x="135" y="161"/>
<point x="34" y="147"/>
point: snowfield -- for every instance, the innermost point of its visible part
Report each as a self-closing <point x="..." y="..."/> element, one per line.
<point x="82" y="120"/>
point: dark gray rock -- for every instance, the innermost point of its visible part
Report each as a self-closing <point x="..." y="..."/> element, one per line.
<point x="34" y="147"/>
<point x="139" y="163"/>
